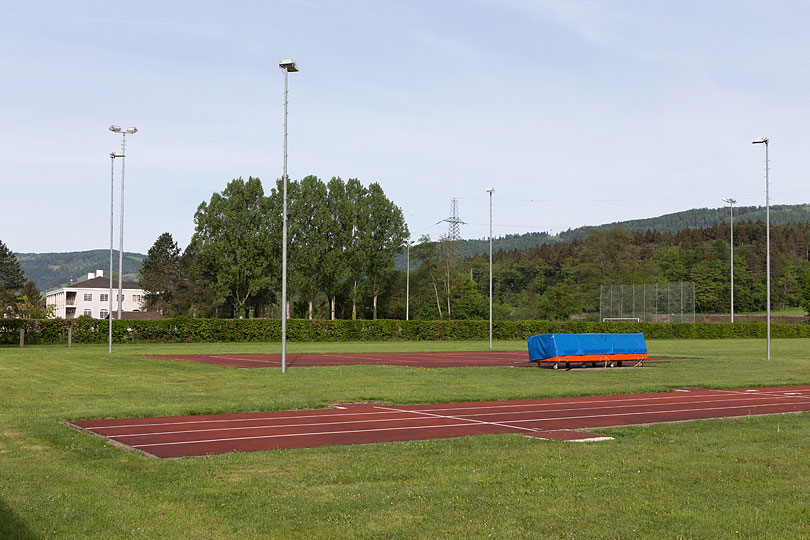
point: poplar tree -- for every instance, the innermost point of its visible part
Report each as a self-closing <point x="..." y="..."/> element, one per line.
<point x="12" y="279"/>
<point x="160" y="274"/>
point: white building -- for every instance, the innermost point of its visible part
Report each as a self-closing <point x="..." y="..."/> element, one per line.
<point x="92" y="297"/>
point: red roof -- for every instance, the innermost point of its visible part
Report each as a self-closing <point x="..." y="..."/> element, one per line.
<point x="103" y="283"/>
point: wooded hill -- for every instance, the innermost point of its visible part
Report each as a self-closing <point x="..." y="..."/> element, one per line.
<point x="694" y="219"/>
<point x="52" y="270"/>
<point x="554" y="281"/>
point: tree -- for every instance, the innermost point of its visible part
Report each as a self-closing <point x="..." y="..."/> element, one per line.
<point x="31" y="303"/>
<point x="381" y="231"/>
<point x="196" y="290"/>
<point x="426" y="252"/>
<point x="160" y="274"/>
<point x="234" y="238"/>
<point x="359" y="223"/>
<point x="308" y="220"/>
<point x="12" y="280"/>
<point x="337" y="230"/>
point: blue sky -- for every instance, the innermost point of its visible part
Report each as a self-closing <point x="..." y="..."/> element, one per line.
<point x="576" y="112"/>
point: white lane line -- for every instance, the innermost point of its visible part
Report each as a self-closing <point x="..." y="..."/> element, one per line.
<point x="640" y="413"/>
<point x="469" y="417"/>
<point x="316" y="434"/>
<point x="466" y="424"/>
<point x="275" y="426"/>
<point x="240" y="359"/>
<point x="765" y="392"/>
<point x="457" y="418"/>
<point x="503" y="405"/>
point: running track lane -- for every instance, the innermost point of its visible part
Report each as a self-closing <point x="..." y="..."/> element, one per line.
<point x="558" y="419"/>
<point x="424" y="360"/>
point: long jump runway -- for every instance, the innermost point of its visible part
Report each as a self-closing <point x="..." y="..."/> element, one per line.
<point x="446" y="359"/>
<point x="422" y="360"/>
<point x="559" y="419"/>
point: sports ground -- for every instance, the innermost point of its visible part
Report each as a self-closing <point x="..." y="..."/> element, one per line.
<point x="466" y="468"/>
<point x="555" y="419"/>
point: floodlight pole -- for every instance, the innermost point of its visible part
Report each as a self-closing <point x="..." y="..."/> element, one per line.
<point x="490" y="191"/>
<point x="731" y="202"/>
<point x="123" y="132"/>
<point x="765" y="140"/>
<point x="408" y="280"/>
<point x="287" y="66"/>
<point x="113" y="155"/>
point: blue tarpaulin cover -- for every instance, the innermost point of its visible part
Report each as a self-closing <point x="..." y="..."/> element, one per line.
<point x="547" y="346"/>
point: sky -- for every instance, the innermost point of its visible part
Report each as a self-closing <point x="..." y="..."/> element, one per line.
<point x="577" y="112"/>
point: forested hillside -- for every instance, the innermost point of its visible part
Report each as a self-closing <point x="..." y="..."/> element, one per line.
<point x="563" y="279"/>
<point x="51" y="270"/>
<point x="695" y="218"/>
<point x="700" y="217"/>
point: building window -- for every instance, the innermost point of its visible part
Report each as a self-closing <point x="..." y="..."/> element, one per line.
<point x="104" y="297"/>
<point x="88" y="312"/>
<point x="88" y="297"/>
<point x="103" y="314"/>
<point x="136" y="298"/>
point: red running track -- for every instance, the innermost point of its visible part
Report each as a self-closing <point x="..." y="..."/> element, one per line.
<point x="558" y="419"/>
<point x="423" y="360"/>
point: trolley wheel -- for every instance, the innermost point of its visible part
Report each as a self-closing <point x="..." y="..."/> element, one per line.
<point x="567" y="365"/>
<point x="556" y="365"/>
<point x="640" y="363"/>
<point x="584" y="365"/>
<point x="619" y="363"/>
<point x="613" y="364"/>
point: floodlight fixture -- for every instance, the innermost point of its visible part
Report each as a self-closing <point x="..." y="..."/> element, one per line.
<point x="132" y="130"/>
<point x="288" y="65"/>
<point x="116" y="154"/>
<point x="115" y="129"/>
<point x="760" y="140"/>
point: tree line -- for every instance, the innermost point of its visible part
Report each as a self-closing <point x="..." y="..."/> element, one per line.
<point x="19" y="297"/>
<point x="342" y="240"/>
<point x="555" y="281"/>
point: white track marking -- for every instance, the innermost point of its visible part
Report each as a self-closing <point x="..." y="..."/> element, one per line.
<point x="506" y="424"/>
<point x="284" y="426"/>
<point x="658" y="412"/>
<point x="456" y="418"/>
<point x="541" y="406"/>
<point x="466" y="424"/>
<point x="236" y="359"/>
<point x="316" y="434"/>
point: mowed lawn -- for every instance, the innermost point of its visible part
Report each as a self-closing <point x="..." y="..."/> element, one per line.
<point x="738" y="478"/>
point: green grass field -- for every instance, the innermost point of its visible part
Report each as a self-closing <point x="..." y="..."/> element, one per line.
<point x="741" y="478"/>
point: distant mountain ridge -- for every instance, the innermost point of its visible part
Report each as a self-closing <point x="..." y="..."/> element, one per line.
<point x="695" y="218"/>
<point x="53" y="270"/>
<point x="698" y="218"/>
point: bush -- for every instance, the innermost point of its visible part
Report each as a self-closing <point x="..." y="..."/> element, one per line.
<point x="184" y="329"/>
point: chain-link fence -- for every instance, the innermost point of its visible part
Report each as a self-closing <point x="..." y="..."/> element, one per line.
<point x="658" y="302"/>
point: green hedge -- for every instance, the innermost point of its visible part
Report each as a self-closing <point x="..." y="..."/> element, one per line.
<point x="183" y="329"/>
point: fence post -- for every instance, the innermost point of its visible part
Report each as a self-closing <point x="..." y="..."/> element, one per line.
<point x="70" y="336"/>
<point x="22" y="337"/>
